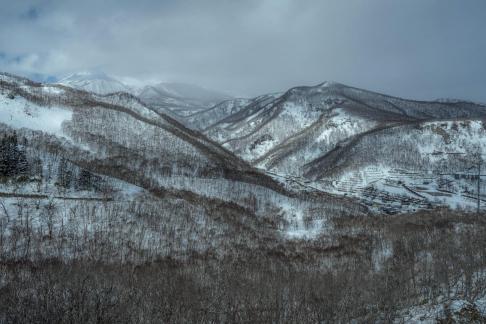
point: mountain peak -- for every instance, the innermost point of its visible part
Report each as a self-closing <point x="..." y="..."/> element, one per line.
<point x="329" y="84"/>
<point x="94" y="81"/>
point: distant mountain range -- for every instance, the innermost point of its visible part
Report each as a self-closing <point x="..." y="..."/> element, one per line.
<point x="390" y="154"/>
<point x="298" y="185"/>
<point x="175" y="99"/>
<point x="132" y="147"/>
<point x="96" y="82"/>
<point x="385" y="150"/>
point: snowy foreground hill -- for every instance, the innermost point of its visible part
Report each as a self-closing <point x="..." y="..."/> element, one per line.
<point x="272" y="209"/>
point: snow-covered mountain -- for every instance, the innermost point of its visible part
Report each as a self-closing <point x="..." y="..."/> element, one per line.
<point x="179" y="98"/>
<point x="204" y="119"/>
<point x="306" y="133"/>
<point x="119" y="137"/>
<point x="106" y="201"/>
<point x="390" y="153"/>
<point x="96" y="82"/>
<point x="190" y="92"/>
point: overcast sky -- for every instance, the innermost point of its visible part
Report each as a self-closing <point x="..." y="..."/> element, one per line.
<point x="422" y="49"/>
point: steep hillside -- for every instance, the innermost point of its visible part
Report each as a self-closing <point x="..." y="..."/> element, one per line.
<point x="309" y="130"/>
<point x="420" y="164"/>
<point x="204" y="119"/>
<point x="258" y="130"/>
<point x="117" y="136"/>
<point x="180" y="99"/>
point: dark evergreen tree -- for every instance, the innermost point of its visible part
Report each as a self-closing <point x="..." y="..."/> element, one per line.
<point x="13" y="160"/>
<point x="85" y="180"/>
<point x="88" y="181"/>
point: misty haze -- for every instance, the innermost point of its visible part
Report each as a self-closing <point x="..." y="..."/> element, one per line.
<point x="260" y="161"/>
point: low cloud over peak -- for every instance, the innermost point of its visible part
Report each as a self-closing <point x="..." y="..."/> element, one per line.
<point x="412" y="49"/>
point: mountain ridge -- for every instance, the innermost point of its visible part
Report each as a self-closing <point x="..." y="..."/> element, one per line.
<point x="308" y="131"/>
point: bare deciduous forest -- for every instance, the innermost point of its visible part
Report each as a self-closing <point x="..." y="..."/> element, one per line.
<point x="370" y="270"/>
<point x="172" y="203"/>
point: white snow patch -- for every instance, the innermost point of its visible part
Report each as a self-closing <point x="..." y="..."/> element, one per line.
<point x="299" y="114"/>
<point x="297" y="228"/>
<point x="344" y="123"/>
<point x="52" y="90"/>
<point x="20" y="113"/>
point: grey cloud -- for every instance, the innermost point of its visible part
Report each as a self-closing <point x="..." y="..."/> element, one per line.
<point x="415" y="48"/>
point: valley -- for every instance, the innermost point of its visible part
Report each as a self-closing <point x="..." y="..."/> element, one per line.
<point x="327" y="180"/>
<point x="219" y="161"/>
<point x="423" y="152"/>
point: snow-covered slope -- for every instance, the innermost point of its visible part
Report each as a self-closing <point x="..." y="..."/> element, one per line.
<point x="268" y="130"/>
<point x="206" y="118"/>
<point x="180" y="99"/>
<point x="96" y="82"/>
<point x="406" y="166"/>
<point x="256" y="130"/>
<point x="118" y="136"/>
<point x="177" y="100"/>
<point x="304" y="134"/>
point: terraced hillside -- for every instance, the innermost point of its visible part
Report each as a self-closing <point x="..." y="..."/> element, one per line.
<point x="314" y="133"/>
